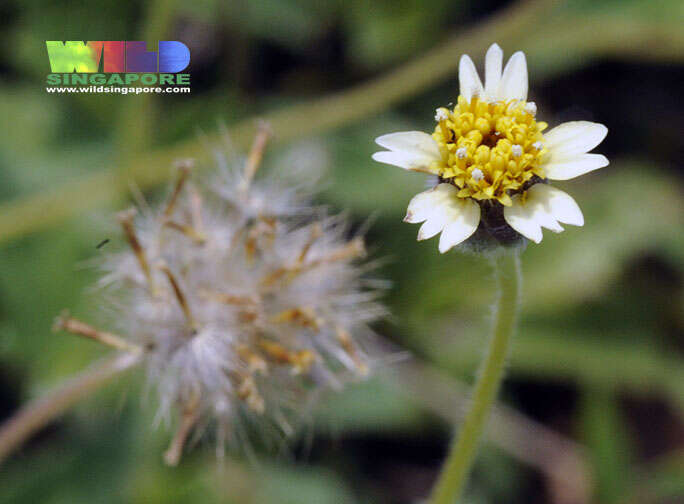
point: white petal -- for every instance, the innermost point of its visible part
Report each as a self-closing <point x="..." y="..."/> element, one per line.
<point x="432" y="226"/>
<point x="468" y="78"/>
<point x="442" y="210"/>
<point x="545" y="206"/>
<point x="560" y="205"/>
<point x="465" y="217"/>
<point x="569" y="139"/>
<point x="410" y="141"/>
<point x="568" y="168"/>
<point x="404" y="160"/>
<point x="513" y="85"/>
<point x="411" y="150"/>
<point x="432" y="206"/>
<point x="522" y="218"/>
<point x="420" y="207"/>
<point x="546" y="219"/>
<point x="423" y="205"/>
<point x="493" y="62"/>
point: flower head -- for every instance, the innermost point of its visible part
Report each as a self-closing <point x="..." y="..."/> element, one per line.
<point x="493" y="160"/>
<point x="245" y="301"/>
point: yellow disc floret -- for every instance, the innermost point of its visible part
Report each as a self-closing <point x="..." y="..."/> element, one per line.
<point x="489" y="150"/>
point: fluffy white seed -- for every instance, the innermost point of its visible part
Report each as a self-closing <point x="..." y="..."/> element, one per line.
<point x="253" y="302"/>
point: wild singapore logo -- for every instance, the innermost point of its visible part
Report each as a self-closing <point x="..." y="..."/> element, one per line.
<point x="117" y="66"/>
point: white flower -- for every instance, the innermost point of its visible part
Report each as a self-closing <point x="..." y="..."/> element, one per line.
<point x="493" y="160"/>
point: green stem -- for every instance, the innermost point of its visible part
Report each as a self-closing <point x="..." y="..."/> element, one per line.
<point x="41" y="411"/>
<point x="455" y="471"/>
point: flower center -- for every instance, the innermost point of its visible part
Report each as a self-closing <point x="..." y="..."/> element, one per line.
<point x="489" y="150"/>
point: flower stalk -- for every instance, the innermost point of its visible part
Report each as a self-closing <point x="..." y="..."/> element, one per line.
<point x="41" y="411"/>
<point x="452" y="479"/>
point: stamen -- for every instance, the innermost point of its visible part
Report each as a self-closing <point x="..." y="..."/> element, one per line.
<point x="184" y="168"/>
<point x="477" y="175"/>
<point x="69" y="324"/>
<point x="182" y="300"/>
<point x="256" y="154"/>
<point x="517" y="150"/>
<point x="461" y="152"/>
<point x="126" y="220"/>
<point x="441" y="114"/>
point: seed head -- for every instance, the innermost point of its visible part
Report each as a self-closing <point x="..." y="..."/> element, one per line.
<point x="245" y="299"/>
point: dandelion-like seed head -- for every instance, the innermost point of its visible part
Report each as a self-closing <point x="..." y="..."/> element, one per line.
<point x="493" y="160"/>
<point x="244" y="310"/>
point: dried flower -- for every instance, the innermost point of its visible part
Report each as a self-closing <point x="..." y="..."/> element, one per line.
<point x="245" y="301"/>
<point x="493" y="161"/>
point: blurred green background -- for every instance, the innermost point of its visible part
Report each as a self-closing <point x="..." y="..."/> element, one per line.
<point x="595" y="392"/>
